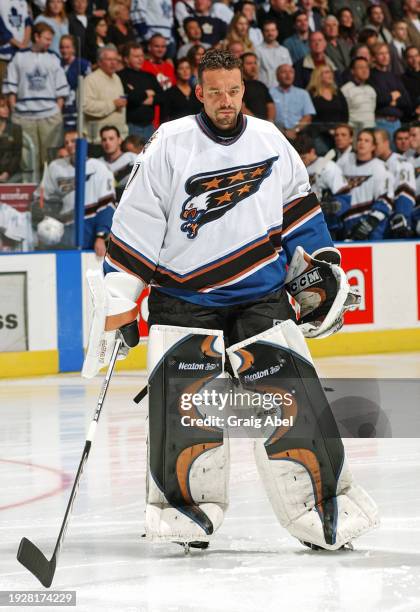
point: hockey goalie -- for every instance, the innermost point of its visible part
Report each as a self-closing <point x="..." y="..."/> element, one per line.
<point x="218" y="217"/>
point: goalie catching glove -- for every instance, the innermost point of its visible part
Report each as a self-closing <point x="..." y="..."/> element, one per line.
<point x="320" y="287"/>
<point x="114" y="311"/>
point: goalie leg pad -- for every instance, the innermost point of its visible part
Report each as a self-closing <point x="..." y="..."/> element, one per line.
<point x="302" y="465"/>
<point x="188" y="465"/>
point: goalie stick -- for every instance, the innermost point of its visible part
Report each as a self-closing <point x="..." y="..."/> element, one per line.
<point x="28" y="554"/>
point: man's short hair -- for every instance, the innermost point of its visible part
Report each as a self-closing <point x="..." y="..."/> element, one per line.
<point x="248" y="54"/>
<point x="218" y="60"/>
<point x="378" y="46"/>
<point x="304" y="144"/>
<point x="71" y="38"/>
<point x="40" y="28"/>
<point x="126" y="49"/>
<point x="405" y="130"/>
<point x="188" y="20"/>
<point x="102" y="50"/>
<point x="137" y="141"/>
<point x="408" y="48"/>
<point x="267" y="21"/>
<point x="108" y="128"/>
<point x="357" y="59"/>
<point x="355" y="50"/>
<point x="345" y="126"/>
<point x="384" y="133"/>
<point x="154" y="36"/>
<point x="298" y="13"/>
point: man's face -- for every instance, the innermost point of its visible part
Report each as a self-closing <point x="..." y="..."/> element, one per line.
<point x="361" y="71"/>
<point x="4" y="109"/>
<point x="412" y="5"/>
<point x="402" y="141"/>
<point x="66" y="49"/>
<point x="307" y="5"/>
<point x="413" y="59"/>
<point x="221" y="93"/>
<point x="376" y="16"/>
<point x="44" y="40"/>
<point x="400" y="31"/>
<point x="237" y="49"/>
<point x="135" y="59"/>
<point x="317" y="43"/>
<point x="70" y="143"/>
<point x="108" y="62"/>
<point x="342" y="138"/>
<point x="285" y="75"/>
<point x="382" y="57"/>
<point x="414" y="140"/>
<point x="110" y="142"/>
<point x="193" y="31"/>
<point x="309" y="157"/>
<point x="202" y="6"/>
<point x="157" y="48"/>
<point x="270" y="32"/>
<point x="382" y="145"/>
<point x="250" y="67"/>
<point x="80" y="6"/>
<point x="365" y="146"/>
<point x="302" y="24"/>
<point x="331" y="28"/>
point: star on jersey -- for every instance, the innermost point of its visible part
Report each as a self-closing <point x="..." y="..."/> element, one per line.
<point x="356" y="181"/>
<point x="212" y="194"/>
<point x="37" y="79"/>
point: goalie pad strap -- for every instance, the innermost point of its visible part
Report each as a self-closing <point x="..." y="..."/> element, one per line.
<point x="118" y="320"/>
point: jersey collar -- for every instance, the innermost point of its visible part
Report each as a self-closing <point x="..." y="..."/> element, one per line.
<point x="223" y="137"/>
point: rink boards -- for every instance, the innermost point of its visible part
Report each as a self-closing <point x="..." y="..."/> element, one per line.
<point x="45" y="309"/>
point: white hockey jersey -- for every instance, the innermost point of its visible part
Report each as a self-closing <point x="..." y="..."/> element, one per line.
<point x="121" y="169"/>
<point x="326" y="175"/>
<point x="415" y="162"/>
<point x="38" y="80"/>
<point x="14" y="18"/>
<point x="151" y="17"/>
<point x="213" y="221"/>
<point x="404" y="183"/>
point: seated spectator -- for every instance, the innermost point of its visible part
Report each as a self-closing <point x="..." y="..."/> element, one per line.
<point x="194" y="34"/>
<point x="360" y="96"/>
<point x="337" y="50"/>
<point x="214" y="28"/>
<point x="55" y="15"/>
<point x="247" y="8"/>
<point x="312" y="13"/>
<point x="120" y="31"/>
<point x="180" y="100"/>
<point x="329" y="102"/>
<point x="357" y="51"/>
<point x="279" y="13"/>
<point x="411" y="76"/>
<point x="415" y="161"/>
<point x="162" y="69"/>
<point x="142" y="90"/>
<point x="194" y="56"/>
<point x="346" y="28"/>
<point x="294" y="108"/>
<point x="343" y="141"/>
<point x="10" y="145"/>
<point x="358" y="9"/>
<point x="236" y="48"/>
<point x="298" y="45"/>
<point x="398" y="46"/>
<point x="238" y="31"/>
<point x="96" y="38"/>
<point x="119" y="162"/>
<point x="368" y="36"/>
<point x="402" y="141"/>
<point x="257" y="100"/>
<point x="104" y="99"/>
<point x="73" y="67"/>
<point x="15" y="28"/>
<point x="151" y="17"/>
<point x="133" y="144"/>
<point x="37" y="86"/>
<point x="375" y="18"/>
<point x="315" y="57"/>
<point x="392" y="100"/>
<point x="58" y="198"/>
<point x="271" y="54"/>
<point x="78" y="22"/>
<point x="411" y="9"/>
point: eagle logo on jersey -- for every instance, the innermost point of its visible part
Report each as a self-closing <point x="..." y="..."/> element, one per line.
<point x="212" y="194"/>
<point x="37" y="79"/>
<point x="356" y="181"/>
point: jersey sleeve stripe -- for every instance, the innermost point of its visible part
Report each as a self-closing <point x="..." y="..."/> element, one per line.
<point x="130" y="260"/>
<point x="299" y="210"/>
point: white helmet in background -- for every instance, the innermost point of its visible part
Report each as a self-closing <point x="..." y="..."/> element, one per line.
<point x="50" y="231"/>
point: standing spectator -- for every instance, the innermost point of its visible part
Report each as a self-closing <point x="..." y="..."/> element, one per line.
<point x="343" y="141"/>
<point x="214" y="28"/>
<point x="411" y="77"/>
<point x="411" y="10"/>
<point x="194" y="34"/>
<point x="402" y="141"/>
<point x="393" y="100"/>
<point x="55" y="15"/>
<point x="271" y="54"/>
<point x="280" y="15"/>
<point x="257" y="100"/>
<point x="329" y="102"/>
<point x="118" y="162"/>
<point x="337" y="50"/>
<point x="294" y="108"/>
<point x="398" y="46"/>
<point x="78" y="22"/>
<point x="120" y="32"/>
<point x="10" y="144"/>
<point x="315" y="57"/>
<point x="313" y="15"/>
<point x="247" y="8"/>
<point x="15" y="31"/>
<point x="73" y="67"/>
<point x="238" y="31"/>
<point x="360" y="96"/>
<point x="358" y="9"/>
<point x="96" y="38"/>
<point x="104" y="100"/>
<point x="180" y="99"/>
<point x="347" y="29"/>
<point x="36" y="85"/>
<point x="142" y="90"/>
<point x="163" y="69"/>
<point x="298" y="45"/>
<point x="151" y="17"/>
<point x="194" y="56"/>
<point x="376" y="18"/>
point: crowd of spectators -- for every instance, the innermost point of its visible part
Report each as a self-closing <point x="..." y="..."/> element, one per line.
<point x="309" y="66"/>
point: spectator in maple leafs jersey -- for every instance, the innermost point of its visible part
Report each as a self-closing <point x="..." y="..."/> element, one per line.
<point x="151" y="17"/>
<point x="15" y="31"/>
<point x="115" y="159"/>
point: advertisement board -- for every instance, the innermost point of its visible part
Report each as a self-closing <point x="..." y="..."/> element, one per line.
<point x="13" y="317"/>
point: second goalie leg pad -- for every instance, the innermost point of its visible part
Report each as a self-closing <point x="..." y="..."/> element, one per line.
<point x="188" y="461"/>
<point x="302" y="464"/>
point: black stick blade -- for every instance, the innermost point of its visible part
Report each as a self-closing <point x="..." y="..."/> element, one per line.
<point x="35" y="561"/>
